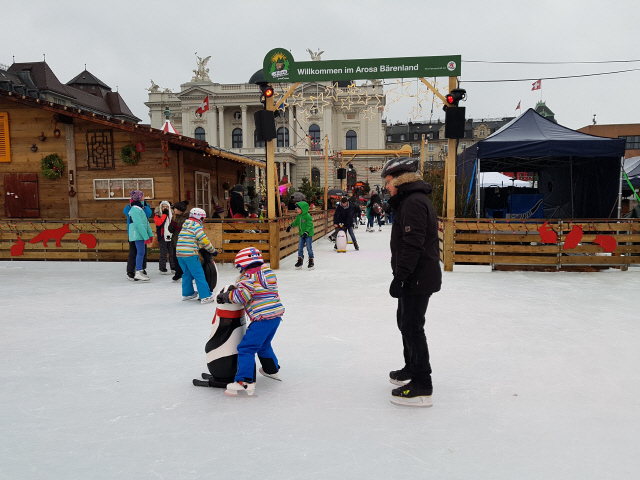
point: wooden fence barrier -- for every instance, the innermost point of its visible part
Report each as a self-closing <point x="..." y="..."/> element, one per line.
<point x="498" y="242"/>
<point x="228" y="235"/>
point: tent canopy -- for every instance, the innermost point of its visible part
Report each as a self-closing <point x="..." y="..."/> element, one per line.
<point x="578" y="174"/>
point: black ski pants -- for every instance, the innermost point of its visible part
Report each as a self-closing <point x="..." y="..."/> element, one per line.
<point x="411" y="319"/>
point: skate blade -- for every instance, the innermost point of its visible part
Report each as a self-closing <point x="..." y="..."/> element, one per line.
<point x="269" y="376"/>
<point x="412" y="402"/>
<point x="240" y="394"/>
<point x="400" y="383"/>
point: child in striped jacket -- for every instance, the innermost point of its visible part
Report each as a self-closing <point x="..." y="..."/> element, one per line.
<point x="190" y="239"/>
<point x="257" y="290"/>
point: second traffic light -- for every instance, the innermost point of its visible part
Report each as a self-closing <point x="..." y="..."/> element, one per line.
<point x="454" y="96"/>
<point x="266" y="91"/>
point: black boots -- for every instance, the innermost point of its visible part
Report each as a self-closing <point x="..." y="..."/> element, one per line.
<point x="311" y="265"/>
<point x="298" y="264"/>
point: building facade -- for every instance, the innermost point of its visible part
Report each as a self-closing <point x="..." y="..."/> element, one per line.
<point x="629" y="131"/>
<point x="349" y="116"/>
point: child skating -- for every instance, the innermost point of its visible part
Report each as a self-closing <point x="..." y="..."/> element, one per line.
<point x="257" y="290"/>
<point x="304" y="222"/>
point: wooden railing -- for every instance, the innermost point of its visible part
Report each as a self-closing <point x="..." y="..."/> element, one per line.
<point x="228" y="236"/>
<point x="498" y="242"/>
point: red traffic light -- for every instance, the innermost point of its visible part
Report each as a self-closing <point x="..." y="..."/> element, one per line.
<point x="268" y="92"/>
<point x="455" y="96"/>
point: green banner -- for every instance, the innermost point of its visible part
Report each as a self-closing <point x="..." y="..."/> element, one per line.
<point x="279" y="66"/>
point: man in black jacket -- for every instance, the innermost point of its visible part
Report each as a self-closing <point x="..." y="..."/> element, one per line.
<point x="415" y="262"/>
<point x="344" y="215"/>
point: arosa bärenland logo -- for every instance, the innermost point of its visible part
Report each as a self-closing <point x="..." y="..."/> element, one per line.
<point x="280" y="65"/>
<point x="451" y="66"/>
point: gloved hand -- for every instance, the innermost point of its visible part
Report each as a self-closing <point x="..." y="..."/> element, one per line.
<point x="215" y="252"/>
<point x="288" y="228"/>
<point x="395" y="289"/>
<point x="223" y="297"/>
<point x="305" y="235"/>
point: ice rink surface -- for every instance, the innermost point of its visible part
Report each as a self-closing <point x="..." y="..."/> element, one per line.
<point x="536" y="376"/>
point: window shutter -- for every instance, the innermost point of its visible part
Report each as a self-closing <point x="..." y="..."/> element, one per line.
<point x="5" y="148"/>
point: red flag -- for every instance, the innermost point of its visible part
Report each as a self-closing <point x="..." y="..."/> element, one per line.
<point x="518" y="107"/>
<point x="536" y="85"/>
<point x="204" y="106"/>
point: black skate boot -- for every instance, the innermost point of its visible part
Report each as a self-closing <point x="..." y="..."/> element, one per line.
<point x="400" y="377"/>
<point x="298" y="264"/>
<point x="311" y="266"/>
<point x="412" y="395"/>
<point x="355" y="244"/>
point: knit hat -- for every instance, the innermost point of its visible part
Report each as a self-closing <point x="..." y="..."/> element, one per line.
<point x="248" y="256"/>
<point x="136" y="195"/>
<point x="182" y="206"/>
<point x="198" y="213"/>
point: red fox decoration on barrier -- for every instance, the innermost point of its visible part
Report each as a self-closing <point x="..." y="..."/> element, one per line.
<point x="573" y="238"/>
<point x="54" y="234"/>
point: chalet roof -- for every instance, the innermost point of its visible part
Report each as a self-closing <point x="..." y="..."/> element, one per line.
<point x="40" y="75"/>
<point x="87" y="78"/>
<point x="61" y="111"/>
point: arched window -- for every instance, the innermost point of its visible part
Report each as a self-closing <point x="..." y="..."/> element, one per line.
<point x="236" y="138"/>
<point x="352" y="140"/>
<point x="283" y="137"/>
<point x="200" y="134"/>
<point x="258" y="143"/>
<point x="314" y="133"/>
<point x="315" y="177"/>
<point x="352" y="178"/>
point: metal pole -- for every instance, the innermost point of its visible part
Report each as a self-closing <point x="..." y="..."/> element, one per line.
<point x="326" y="169"/>
<point x="620" y="187"/>
<point x="571" y="178"/>
<point x="478" y="189"/>
<point x="310" y="160"/>
<point x="270" y="169"/>
<point x="422" y="156"/>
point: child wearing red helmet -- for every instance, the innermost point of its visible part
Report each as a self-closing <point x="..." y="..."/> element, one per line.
<point x="257" y="290"/>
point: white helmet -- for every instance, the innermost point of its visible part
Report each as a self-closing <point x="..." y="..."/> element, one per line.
<point x="198" y="213"/>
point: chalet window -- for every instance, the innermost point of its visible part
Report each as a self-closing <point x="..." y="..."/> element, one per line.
<point x="5" y="147"/>
<point x="119" y="188"/>
<point x="200" y="134"/>
<point x="352" y="140"/>
<point x="236" y="138"/>
<point x="100" y="150"/>
<point x="633" y="142"/>
<point x="283" y="137"/>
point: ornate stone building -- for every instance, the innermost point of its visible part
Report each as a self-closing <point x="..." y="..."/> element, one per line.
<point x="350" y="116"/>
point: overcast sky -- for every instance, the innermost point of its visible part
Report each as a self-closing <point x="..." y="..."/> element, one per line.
<point x="127" y="43"/>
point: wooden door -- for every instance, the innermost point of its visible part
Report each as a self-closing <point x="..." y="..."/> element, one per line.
<point x="203" y="192"/>
<point x="21" y="195"/>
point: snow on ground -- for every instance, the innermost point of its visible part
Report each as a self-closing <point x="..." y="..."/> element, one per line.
<point x="535" y="377"/>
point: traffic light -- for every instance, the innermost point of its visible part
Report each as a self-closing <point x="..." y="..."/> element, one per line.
<point x="454" y="96"/>
<point x="266" y="91"/>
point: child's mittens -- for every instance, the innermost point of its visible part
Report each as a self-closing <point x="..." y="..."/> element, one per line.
<point x="305" y="235"/>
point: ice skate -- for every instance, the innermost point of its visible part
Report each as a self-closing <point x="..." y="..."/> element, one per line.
<point x="355" y="245"/>
<point x="298" y="264"/>
<point x="165" y="272"/>
<point x="140" y="276"/>
<point x="240" y="389"/>
<point x="131" y="277"/>
<point x="412" y="396"/>
<point x="399" y="377"/>
<point x="193" y="296"/>
<point x="270" y="375"/>
<point x="311" y="265"/>
<point x="209" y="299"/>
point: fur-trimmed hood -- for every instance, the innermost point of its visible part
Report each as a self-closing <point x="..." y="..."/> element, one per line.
<point x="407" y="177"/>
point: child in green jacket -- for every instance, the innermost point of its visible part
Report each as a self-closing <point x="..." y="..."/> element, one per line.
<point x="304" y="222"/>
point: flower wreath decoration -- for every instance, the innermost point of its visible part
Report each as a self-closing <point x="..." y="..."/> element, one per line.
<point x="130" y="155"/>
<point x="52" y="166"/>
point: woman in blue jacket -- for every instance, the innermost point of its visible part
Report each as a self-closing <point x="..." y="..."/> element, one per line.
<point x="139" y="232"/>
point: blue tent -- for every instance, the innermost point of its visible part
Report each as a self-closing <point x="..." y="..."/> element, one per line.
<point x="578" y="174"/>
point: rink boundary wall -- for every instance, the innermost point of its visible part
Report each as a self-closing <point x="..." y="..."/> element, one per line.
<point x="227" y="235"/>
<point x="518" y="243"/>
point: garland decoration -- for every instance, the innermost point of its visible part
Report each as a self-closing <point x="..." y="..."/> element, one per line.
<point x="130" y="155"/>
<point x="52" y="166"/>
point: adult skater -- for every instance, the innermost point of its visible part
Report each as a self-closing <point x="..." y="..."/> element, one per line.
<point x="415" y="262"/>
<point x="133" y="252"/>
<point x="257" y="290"/>
<point x="236" y="203"/>
<point x="374" y="209"/>
<point x="344" y="215"/>
<point x="139" y="232"/>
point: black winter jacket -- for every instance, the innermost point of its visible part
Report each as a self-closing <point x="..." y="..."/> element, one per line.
<point x="343" y="215"/>
<point x="415" y="251"/>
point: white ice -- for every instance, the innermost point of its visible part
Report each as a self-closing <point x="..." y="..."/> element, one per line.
<point x="536" y="376"/>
